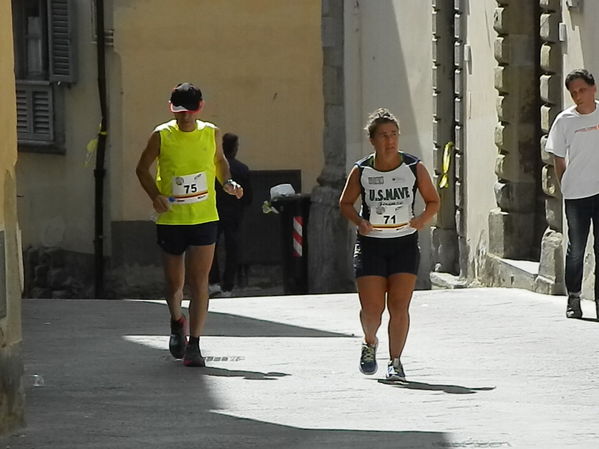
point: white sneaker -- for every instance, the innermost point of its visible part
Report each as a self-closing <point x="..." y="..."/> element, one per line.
<point x="213" y="289"/>
<point x="395" y="371"/>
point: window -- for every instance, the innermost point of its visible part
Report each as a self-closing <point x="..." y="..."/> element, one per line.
<point x="44" y="65"/>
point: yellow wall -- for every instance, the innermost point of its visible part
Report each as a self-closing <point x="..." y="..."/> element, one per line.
<point x="10" y="327"/>
<point x="258" y="63"/>
<point x="8" y="124"/>
<point x="11" y="359"/>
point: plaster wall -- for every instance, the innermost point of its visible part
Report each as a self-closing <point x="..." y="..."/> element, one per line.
<point x="388" y="58"/>
<point x="258" y="63"/>
<point x="12" y="398"/>
<point x="480" y="119"/>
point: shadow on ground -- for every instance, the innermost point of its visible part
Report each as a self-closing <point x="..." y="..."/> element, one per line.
<point x="102" y="391"/>
<point x="451" y="389"/>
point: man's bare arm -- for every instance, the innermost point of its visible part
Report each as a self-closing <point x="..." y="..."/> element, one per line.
<point x="559" y="163"/>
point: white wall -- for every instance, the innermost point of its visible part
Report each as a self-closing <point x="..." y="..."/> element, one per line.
<point x="388" y="60"/>
<point x="481" y="118"/>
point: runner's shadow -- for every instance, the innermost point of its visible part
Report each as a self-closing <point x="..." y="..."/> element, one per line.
<point x="592" y="320"/>
<point x="250" y="375"/>
<point x="450" y="389"/>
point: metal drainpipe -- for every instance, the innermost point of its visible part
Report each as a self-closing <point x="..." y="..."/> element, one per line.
<point x="99" y="171"/>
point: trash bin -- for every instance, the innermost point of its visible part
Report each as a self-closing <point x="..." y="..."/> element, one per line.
<point x="294" y="211"/>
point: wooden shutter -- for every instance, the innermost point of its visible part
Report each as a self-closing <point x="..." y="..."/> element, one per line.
<point x="35" y="112"/>
<point x="61" y="49"/>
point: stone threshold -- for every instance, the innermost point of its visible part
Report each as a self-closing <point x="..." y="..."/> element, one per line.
<point x="500" y="272"/>
<point x="440" y="281"/>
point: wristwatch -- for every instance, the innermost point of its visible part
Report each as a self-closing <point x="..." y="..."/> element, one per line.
<point x="231" y="182"/>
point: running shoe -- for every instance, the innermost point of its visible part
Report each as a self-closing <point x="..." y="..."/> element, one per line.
<point x="193" y="356"/>
<point x="573" y="309"/>
<point x="395" y="370"/>
<point x="178" y="339"/>
<point x="368" y="364"/>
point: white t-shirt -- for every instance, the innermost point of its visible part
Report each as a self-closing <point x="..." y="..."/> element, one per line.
<point x="575" y="136"/>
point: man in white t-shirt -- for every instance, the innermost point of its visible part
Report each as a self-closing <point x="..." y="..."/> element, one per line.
<point x="574" y="143"/>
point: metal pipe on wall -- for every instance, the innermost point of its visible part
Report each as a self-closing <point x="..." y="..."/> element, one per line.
<point x="100" y="171"/>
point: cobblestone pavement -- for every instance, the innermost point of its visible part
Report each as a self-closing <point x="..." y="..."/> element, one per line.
<point x="486" y="368"/>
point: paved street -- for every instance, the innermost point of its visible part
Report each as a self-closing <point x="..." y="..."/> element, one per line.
<point x="487" y="368"/>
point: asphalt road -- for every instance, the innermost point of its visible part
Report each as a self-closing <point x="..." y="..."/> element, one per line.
<point x="486" y="368"/>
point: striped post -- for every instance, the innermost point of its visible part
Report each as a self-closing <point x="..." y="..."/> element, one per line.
<point x="297" y="236"/>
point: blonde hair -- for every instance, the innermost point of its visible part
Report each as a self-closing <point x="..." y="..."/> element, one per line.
<point x="378" y="117"/>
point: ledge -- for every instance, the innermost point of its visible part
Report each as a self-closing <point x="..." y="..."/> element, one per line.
<point x="446" y="281"/>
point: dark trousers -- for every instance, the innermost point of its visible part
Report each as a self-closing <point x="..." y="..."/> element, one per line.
<point x="231" y="229"/>
<point x="579" y="213"/>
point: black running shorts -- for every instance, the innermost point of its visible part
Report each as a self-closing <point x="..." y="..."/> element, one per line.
<point x="174" y="239"/>
<point x="384" y="257"/>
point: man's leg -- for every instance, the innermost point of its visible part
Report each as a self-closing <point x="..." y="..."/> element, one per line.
<point x="595" y="210"/>
<point x="232" y="238"/>
<point x="214" y="278"/>
<point x="198" y="263"/>
<point x="578" y="215"/>
<point x="174" y="273"/>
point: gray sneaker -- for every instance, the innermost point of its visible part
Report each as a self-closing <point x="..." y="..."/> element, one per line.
<point x="395" y="370"/>
<point x="573" y="309"/>
<point x="368" y="359"/>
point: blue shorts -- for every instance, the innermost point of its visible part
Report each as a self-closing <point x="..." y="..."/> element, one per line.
<point x="384" y="257"/>
<point x="174" y="239"/>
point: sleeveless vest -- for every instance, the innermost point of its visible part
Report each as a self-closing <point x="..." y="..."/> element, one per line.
<point x="186" y="172"/>
<point x="388" y="196"/>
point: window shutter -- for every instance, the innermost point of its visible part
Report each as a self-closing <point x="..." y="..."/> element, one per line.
<point x="35" y="112"/>
<point x="60" y="39"/>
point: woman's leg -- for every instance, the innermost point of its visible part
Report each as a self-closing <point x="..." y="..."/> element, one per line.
<point x="371" y="290"/>
<point x="401" y="286"/>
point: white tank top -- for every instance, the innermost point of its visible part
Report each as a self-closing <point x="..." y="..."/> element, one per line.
<point x="388" y="196"/>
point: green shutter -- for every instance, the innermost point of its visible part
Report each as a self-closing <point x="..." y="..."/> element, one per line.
<point x="61" y="21"/>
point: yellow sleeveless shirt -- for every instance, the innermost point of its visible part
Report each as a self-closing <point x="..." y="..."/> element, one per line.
<point x="186" y="172"/>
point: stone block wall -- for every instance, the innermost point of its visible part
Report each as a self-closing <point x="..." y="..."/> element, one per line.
<point x="551" y="274"/>
<point x="513" y="224"/>
<point x="54" y="273"/>
<point x="444" y="233"/>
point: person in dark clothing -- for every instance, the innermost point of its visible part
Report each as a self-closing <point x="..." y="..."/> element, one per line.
<point x="230" y="220"/>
